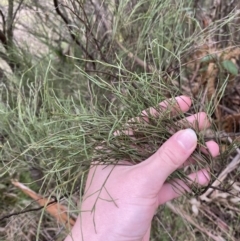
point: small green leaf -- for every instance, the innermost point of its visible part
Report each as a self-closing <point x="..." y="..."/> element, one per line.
<point x="230" y="67"/>
<point x="209" y="58"/>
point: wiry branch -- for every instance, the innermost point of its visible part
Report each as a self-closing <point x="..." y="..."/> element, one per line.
<point x="26" y="211"/>
<point x="39" y="208"/>
<point x="18" y="7"/>
<point x="3" y="38"/>
<point x="89" y="28"/>
<point x="56" y="5"/>
<point x="68" y="24"/>
<point x="3" y="22"/>
<point x="9" y="30"/>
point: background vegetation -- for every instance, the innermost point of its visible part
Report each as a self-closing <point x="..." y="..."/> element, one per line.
<point x="72" y="72"/>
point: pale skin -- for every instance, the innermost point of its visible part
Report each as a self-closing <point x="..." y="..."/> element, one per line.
<point x="120" y="201"/>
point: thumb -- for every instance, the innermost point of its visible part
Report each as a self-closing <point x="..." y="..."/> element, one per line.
<point x="170" y="156"/>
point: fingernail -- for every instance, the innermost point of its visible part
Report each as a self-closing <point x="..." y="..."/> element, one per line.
<point x="187" y="139"/>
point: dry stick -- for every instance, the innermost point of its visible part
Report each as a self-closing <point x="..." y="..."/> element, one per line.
<point x="228" y="110"/>
<point x="203" y="99"/>
<point x="220" y="134"/>
<point x="218" y="221"/>
<point x="195" y="73"/>
<point x="70" y="28"/>
<point x="229" y="168"/>
<point x="137" y="59"/>
<point x="3" y="23"/>
<point x="179" y="211"/>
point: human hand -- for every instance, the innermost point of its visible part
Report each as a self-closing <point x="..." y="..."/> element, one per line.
<point x="120" y="201"/>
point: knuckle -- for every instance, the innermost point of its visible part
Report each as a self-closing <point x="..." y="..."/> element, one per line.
<point x="170" y="156"/>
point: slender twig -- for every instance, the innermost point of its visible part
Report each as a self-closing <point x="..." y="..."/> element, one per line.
<point x="87" y="28"/>
<point x="180" y="212"/>
<point x="26" y="211"/>
<point x="228" y="110"/>
<point x="3" y="39"/>
<point x="230" y="167"/>
<point x="9" y="29"/>
<point x="220" y="135"/>
<point x="195" y="73"/>
<point x="70" y="28"/>
<point x="213" y="217"/>
<point x="15" y="14"/>
<point x="3" y="22"/>
<point x="55" y="200"/>
<point x="203" y="99"/>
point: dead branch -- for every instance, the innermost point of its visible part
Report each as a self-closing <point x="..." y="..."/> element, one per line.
<point x="9" y="30"/>
<point x="230" y="167"/>
<point x="3" y="22"/>
<point x="70" y="29"/>
<point x="3" y="38"/>
<point x="185" y="216"/>
<point x="18" y="8"/>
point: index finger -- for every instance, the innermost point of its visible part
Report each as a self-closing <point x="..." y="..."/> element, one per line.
<point x="172" y="107"/>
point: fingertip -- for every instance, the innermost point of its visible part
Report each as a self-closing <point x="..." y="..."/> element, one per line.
<point x="199" y="121"/>
<point x="201" y="177"/>
<point x="213" y="148"/>
<point x="187" y="139"/>
<point x="184" y="102"/>
<point x="185" y="99"/>
<point x="177" y="187"/>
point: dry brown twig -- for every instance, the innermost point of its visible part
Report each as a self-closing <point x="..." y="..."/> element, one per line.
<point x="229" y="168"/>
<point x="179" y="211"/>
<point x="57" y="210"/>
